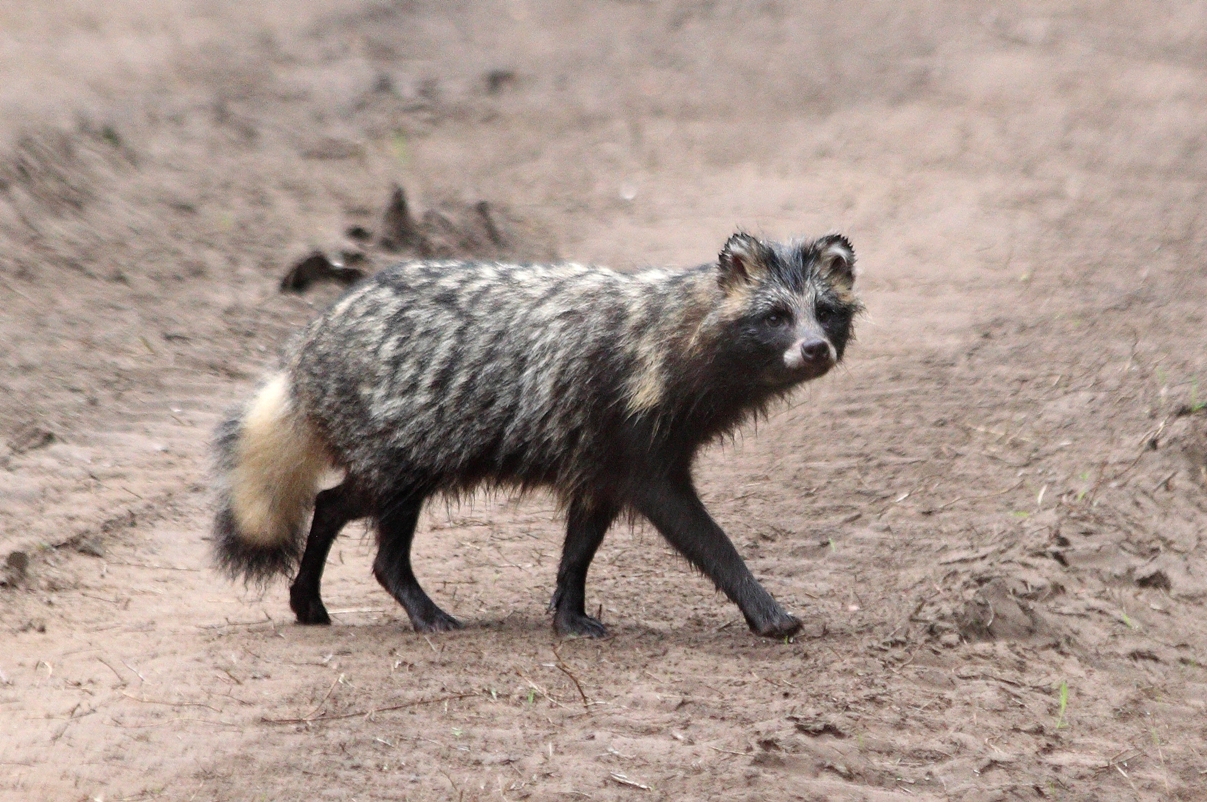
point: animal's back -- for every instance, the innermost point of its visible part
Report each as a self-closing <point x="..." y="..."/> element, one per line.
<point x="458" y="373"/>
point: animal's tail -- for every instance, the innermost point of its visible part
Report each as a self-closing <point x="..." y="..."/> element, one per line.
<point x="269" y="462"/>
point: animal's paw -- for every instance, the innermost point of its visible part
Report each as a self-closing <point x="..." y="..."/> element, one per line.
<point x="578" y="625"/>
<point x="308" y="607"/>
<point x="436" y="621"/>
<point x="783" y="625"/>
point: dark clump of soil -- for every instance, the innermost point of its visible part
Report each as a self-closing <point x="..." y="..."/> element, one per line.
<point x="449" y="231"/>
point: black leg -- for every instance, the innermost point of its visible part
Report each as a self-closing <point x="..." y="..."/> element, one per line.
<point x="332" y="510"/>
<point x="585" y="529"/>
<point x="395" y="531"/>
<point x="677" y="512"/>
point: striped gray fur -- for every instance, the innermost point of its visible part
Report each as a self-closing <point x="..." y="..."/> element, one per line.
<point x="466" y="368"/>
<point x="440" y="377"/>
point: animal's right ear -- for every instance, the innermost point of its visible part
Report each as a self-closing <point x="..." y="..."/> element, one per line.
<point x="836" y="260"/>
<point x="742" y="261"/>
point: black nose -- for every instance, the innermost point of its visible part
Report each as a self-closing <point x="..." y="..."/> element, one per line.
<point x="815" y="352"/>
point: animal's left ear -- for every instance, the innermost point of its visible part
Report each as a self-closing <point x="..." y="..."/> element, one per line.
<point x="836" y="260"/>
<point x="743" y="260"/>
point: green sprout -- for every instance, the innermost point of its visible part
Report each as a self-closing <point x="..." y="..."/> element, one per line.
<point x="398" y="145"/>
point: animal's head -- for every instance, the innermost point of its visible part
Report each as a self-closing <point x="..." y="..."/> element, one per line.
<point x="791" y="305"/>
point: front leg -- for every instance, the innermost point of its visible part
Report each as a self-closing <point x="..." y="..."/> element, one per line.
<point x="672" y="506"/>
<point x="586" y="525"/>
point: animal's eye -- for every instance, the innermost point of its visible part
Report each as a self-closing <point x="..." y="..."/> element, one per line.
<point x="825" y="314"/>
<point x="777" y="317"/>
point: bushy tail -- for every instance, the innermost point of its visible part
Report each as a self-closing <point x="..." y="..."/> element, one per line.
<point x="269" y="462"/>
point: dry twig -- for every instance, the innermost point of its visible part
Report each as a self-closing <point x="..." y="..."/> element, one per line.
<point x="563" y="668"/>
<point x="366" y="713"/>
<point x="623" y="780"/>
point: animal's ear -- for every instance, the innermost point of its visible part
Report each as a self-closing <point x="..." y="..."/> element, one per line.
<point x="836" y="260"/>
<point x="743" y="260"/>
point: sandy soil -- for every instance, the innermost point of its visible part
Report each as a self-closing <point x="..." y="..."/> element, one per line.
<point x="991" y="519"/>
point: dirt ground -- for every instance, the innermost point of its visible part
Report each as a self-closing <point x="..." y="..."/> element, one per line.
<point x="991" y="519"/>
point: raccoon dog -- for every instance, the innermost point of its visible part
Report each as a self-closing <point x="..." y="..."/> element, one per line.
<point x="437" y="378"/>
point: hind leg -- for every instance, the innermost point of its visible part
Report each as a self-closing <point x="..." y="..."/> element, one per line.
<point x="395" y="531"/>
<point x="332" y="510"/>
<point x="585" y="529"/>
